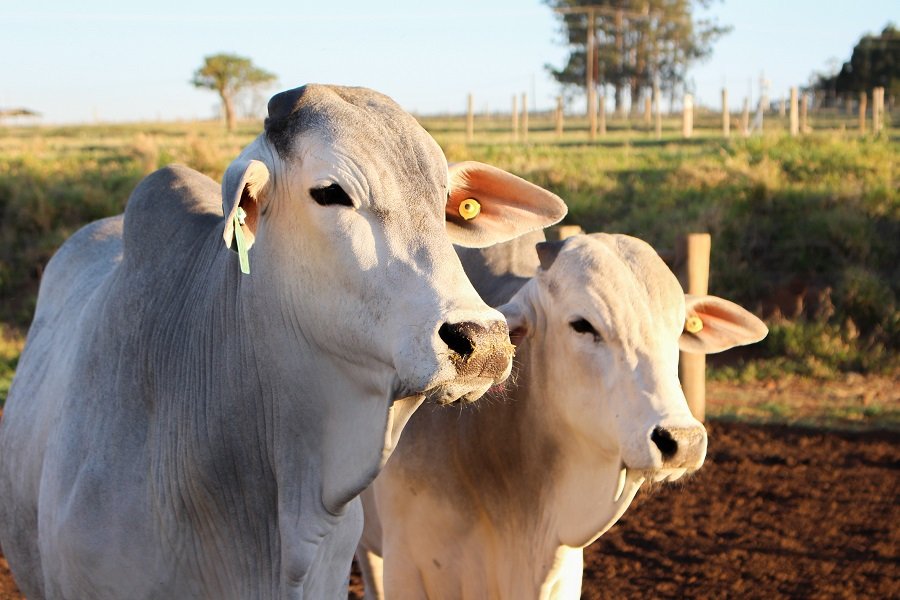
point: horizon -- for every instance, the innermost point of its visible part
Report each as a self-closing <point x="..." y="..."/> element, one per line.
<point x="111" y="64"/>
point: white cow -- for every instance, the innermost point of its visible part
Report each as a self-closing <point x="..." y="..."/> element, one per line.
<point x="497" y="501"/>
<point x="179" y="430"/>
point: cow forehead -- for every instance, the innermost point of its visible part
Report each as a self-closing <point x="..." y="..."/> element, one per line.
<point x="619" y="277"/>
<point x="364" y="126"/>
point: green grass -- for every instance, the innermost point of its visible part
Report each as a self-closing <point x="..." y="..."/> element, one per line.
<point x="820" y="211"/>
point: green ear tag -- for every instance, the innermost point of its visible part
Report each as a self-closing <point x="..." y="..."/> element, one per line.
<point x="239" y="216"/>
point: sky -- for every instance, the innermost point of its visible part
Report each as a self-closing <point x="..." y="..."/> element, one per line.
<point x="111" y="61"/>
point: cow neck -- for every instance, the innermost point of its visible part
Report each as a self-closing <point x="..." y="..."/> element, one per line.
<point x="257" y="408"/>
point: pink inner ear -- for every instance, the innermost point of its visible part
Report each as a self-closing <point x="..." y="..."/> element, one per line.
<point x="510" y="206"/>
<point x="725" y="325"/>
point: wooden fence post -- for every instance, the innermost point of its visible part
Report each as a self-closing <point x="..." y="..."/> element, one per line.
<point x="657" y="112"/>
<point x="782" y="107"/>
<point x="804" y="107"/>
<point x="695" y="280"/>
<point x="877" y="110"/>
<point x="559" y="116"/>
<point x="515" y="118"/>
<point x="863" y="100"/>
<point x="470" y="120"/>
<point x="795" y="123"/>
<point x="745" y="118"/>
<point x="687" y="123"/>
<point x="602" y="123"/>
<point x="525" y="118"/>
<point x="726" y="116"/>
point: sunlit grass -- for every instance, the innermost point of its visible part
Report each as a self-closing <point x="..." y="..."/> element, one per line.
<point x="823" y="207"/>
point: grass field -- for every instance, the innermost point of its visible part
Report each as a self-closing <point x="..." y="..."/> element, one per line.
<point x="805" y="230"/>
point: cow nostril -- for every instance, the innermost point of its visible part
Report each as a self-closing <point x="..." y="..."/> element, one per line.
<point x="458" y="337"/>
<point x="667" y="445"/>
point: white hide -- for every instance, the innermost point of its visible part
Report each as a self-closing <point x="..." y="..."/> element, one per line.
<point x="177" y="429"/>
<point x="497" y="501"/>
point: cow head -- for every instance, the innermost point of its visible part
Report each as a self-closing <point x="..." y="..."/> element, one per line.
<point x="611" y="317"/>
<point x="349" y="211"/>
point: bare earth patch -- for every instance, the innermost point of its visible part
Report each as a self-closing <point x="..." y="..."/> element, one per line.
<point x="777" y="511"/>
<point x="850" y="402"/>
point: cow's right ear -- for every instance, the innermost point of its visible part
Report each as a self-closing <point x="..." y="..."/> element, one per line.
<point x="487" y="205"/>
<point x="244" y="186"/>
<point x="713" y="324"/>
<point x="519" y="318"/>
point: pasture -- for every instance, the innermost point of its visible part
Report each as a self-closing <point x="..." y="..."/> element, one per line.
<point x="806" y="232"/>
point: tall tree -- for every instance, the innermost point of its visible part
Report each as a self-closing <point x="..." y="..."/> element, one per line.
<point x="875" y="62"/>
<point x="229" y="74"/>
<point x="637" y="42"/>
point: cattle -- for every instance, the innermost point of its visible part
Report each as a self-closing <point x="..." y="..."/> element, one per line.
<point x="498" y="501"/>
<point x="180" y="429"/>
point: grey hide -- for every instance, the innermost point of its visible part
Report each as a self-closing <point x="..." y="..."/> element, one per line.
<point x="179" y="430"/>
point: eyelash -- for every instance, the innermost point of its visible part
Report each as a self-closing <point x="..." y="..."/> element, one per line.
<point x="330" y="196"/>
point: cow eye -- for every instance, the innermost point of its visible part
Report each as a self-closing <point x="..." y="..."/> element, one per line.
<point x="583" y="326"/>
<point x="331" y="195"/>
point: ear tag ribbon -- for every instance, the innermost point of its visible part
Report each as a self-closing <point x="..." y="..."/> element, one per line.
<point x="693" y="324"/>
<point x="469" y="208"/>
<point x="239" y="216"/>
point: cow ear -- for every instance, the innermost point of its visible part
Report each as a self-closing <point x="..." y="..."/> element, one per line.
<point x="487" y="205"/>
<point x="713" y="324"/>
<point x="244" y="186"/>
<point x="519" y="318"/>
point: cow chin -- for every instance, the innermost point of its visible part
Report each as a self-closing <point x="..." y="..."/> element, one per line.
<point x="459" y="391"/>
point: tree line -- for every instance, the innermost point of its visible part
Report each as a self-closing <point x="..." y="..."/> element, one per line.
<point x="874" y="62"/>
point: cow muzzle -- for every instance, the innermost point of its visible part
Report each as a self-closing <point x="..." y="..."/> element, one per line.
<point x="480" y="356"/>
<point x="670" y="451"/>
<point x="478" y="351"/>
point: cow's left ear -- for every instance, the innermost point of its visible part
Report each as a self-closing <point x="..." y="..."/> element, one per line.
<point x="487" y="205"/>
<point x="518" y="318"/>
<point x="244" y="186"/>
<point x="713" y="324"/>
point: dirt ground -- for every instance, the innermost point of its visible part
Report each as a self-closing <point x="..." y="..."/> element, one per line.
<point x="776" y="512"/>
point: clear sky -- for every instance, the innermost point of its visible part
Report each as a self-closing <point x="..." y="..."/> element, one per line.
<point x="88" y="60"/>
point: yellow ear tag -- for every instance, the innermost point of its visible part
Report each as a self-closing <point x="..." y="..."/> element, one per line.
<point x="693" y="324"/>
<point x="469" y="209"/>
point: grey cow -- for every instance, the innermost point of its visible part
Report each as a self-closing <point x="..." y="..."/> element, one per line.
<point x="179" y="430"/>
